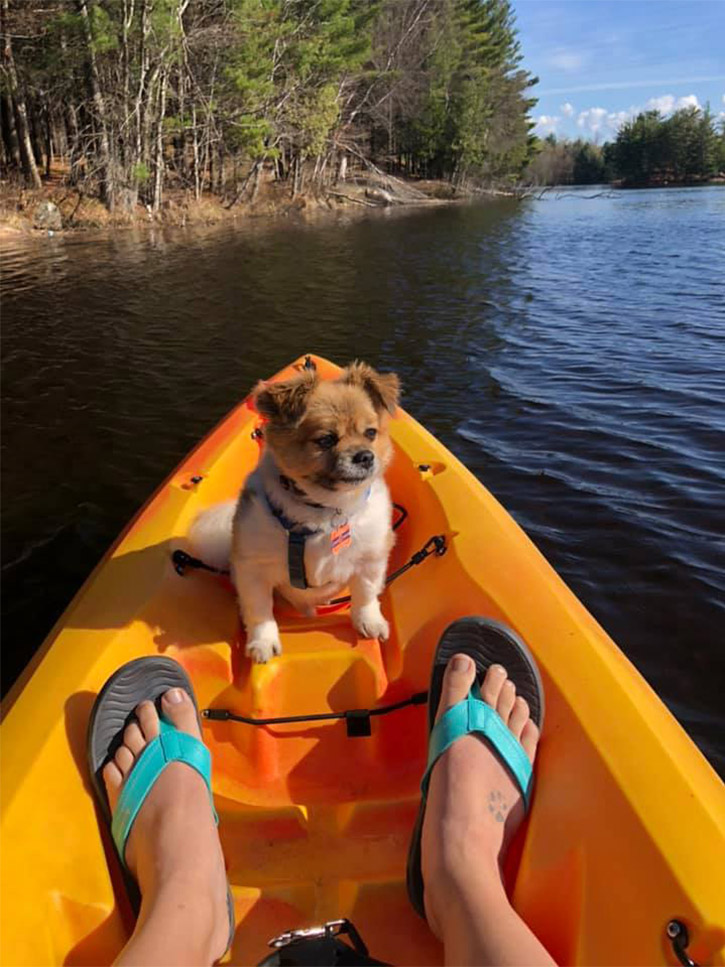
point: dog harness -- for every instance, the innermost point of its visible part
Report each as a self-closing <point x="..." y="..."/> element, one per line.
<point x="297" y="534"/>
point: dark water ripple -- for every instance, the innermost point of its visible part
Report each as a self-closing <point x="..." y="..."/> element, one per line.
<point x="571" y="351"/>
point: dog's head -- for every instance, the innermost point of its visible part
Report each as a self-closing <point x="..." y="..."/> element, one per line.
<point x="330" y="433"/>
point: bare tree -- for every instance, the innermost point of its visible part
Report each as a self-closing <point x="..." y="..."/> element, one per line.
<point x="16" y="98"/>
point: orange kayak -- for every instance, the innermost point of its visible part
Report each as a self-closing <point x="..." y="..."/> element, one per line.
<point x="627" y="829"/>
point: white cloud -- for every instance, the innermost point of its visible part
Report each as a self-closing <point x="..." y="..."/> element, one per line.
<point x="546" y="124"/>
<point x="568" y="109"/>
<point x="668" y="103"/>
<point x="566" y="59"/>
<point x="618" y="118"/>
<point x="689" y="101"/>
<point x="664" y="104"/>
<point x="597" y="121"/>
<point x="593" y="119"/>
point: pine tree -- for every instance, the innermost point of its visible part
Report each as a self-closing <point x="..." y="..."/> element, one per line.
<point x="656" y="150"/>
<point x="204" y="94"/>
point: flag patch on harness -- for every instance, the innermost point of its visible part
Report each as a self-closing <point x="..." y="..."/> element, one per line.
<point x="340" y="537"/>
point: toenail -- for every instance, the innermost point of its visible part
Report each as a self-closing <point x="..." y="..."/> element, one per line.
<point x="174" y="696"/>
<point x="461" y="663"/>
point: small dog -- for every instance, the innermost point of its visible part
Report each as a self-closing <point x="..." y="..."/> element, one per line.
<point x="316" y="514"/>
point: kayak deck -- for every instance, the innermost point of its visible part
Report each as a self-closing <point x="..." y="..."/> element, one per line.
<point x="623" y="833"/>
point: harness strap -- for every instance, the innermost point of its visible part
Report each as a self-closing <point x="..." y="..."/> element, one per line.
<point x="297" y="535"/>
<point x="296" y="560"/>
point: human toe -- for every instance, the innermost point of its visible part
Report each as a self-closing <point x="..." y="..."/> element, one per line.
<point x="457" y="680"/>
<point x="179" y="709"/>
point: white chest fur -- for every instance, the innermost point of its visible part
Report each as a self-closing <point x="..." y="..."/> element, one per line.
<point x="369" y="527"/>
<point x="259" y="538"/>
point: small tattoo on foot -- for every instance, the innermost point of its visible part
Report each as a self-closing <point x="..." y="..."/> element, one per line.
<point x="497" y="805"/>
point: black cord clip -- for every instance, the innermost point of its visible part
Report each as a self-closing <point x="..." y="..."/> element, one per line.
<point x="182" y="560"/>
<point x="436" y="545"/>
<point x="357" y="721"/>
<point x="680" y="938"/>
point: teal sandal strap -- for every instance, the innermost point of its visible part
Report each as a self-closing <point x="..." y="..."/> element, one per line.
<point x="170" y="745"/>
<point x="473" y="715"/>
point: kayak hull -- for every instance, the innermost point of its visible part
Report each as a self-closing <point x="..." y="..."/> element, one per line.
<point x="626" y="829"/>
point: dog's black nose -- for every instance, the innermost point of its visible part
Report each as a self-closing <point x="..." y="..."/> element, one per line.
<point x="364" y="457"/>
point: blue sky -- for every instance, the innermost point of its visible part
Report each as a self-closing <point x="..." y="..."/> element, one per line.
<point x="601" y="61"/>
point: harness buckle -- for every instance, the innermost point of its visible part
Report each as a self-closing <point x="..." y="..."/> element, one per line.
<point x="330" y="929"/>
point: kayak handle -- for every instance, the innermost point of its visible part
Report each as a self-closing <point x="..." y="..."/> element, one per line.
<point x="680" y="938"/>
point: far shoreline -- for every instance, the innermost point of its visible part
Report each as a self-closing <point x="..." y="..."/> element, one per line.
<point x="38" y="213"/>
<point x="83" y="215"/>
<point x="710" y="183"/>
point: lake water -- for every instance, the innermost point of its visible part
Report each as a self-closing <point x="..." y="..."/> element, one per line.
<point x="570" y="350"/>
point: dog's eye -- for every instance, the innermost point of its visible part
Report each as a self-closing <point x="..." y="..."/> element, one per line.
<point x="326" y="442"/>
<point x="371" y="433"/>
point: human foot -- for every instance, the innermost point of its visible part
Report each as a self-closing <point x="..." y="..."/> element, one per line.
<point x="474" y="806"/>
<point x="173" y="849"/>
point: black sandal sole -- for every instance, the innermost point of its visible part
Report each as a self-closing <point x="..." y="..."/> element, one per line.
<point x="488" y="642"/>
<point x="143" y="679"/>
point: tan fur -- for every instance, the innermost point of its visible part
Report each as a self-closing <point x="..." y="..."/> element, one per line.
<point x="302" y="410"/>
<point x="317" y="435"/>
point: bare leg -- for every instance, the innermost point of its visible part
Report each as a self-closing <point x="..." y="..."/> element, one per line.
<point x="474" y="807"/>
<point x="173" y="851"/>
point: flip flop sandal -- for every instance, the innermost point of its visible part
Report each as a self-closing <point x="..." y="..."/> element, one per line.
<point x="136" y="681"/>
<point x="487" y="642"/>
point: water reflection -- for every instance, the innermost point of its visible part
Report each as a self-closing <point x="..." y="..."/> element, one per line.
<point x="569" y="351"/>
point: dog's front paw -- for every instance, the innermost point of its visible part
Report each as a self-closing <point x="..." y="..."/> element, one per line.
<point x="261" y="649"/>
<point x="369" y="622"/>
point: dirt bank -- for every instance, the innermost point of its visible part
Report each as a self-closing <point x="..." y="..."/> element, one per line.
<point x="58" y="209"/>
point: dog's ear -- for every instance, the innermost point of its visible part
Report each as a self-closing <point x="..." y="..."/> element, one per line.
<point x="382" y="388"/>
<point x="284" y="402"/>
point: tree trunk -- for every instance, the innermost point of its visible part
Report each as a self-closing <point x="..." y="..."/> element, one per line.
<point x="108" y="181"/>
<point x="74" y="145"/>
<point x="181" y="150"/>
<point x="138" y="110"/>
<point x="197" y="172"/>
<point x="9" y="134"/>
<point x="48" y="140"/>
<point x="255" y="183"/>
<point x="127" y="13"/>
<point x="220" y="169"/>
<point x="296" y="178"/>
<point x="342" y="168"/>
<point x="159" y="147"/>
<point x="30" y="169"/>
<point x="36" y="130"/>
